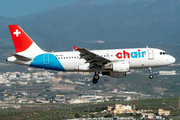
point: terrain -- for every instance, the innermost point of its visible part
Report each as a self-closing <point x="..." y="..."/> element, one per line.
<point x="119" y="24"/>
<point x="58" y="111"/>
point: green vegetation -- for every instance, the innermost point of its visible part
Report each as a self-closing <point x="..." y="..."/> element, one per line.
<point x="57" y="111"/>
<point x="119" y="25"/>
<point x="108" y="115"/>
<point x="77" y="115"/>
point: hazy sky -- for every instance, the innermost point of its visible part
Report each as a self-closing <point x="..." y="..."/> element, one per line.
<point x="18" y="8"/>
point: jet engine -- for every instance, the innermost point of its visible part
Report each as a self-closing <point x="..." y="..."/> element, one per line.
<point x="118" y="66"/>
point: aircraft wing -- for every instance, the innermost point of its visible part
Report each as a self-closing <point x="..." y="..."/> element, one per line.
<point x="92" y="58"/>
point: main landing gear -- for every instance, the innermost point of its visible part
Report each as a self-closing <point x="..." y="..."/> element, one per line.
<point x="95" y="78"/>
<point x="151" y="75"/>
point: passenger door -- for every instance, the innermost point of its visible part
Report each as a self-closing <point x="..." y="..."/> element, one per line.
<point x="150" y="54"/>
<point x="46" y="59"/>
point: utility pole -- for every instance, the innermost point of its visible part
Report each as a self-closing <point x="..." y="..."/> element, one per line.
<point x="179" y="103"/>
<point x="88" y="113"/>
<point x="68" y="94"/>
<point x="134" y="111"/>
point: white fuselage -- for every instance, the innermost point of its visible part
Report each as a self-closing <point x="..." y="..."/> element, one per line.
<point x="137" y="57"/>
<point x="112" y="62"/>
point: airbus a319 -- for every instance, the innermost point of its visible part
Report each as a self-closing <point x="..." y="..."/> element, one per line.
<point x="112" y="62"/>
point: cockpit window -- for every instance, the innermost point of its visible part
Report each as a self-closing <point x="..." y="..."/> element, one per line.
<point x="163" y="53"/>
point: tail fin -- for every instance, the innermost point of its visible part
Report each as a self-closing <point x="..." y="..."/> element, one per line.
<point x="22" y="42"/>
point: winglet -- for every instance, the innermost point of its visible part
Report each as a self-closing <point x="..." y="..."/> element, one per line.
<point x="75" y="48"/>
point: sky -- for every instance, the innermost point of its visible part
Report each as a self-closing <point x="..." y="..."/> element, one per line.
<point x="19" y="8"/>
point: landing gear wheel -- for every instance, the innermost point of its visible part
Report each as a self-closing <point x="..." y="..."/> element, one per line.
<point x="95" y="78"/>
<point x="151" y="76"/>
<point x="94" y="81"/>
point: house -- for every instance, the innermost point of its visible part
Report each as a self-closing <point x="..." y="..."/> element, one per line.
<point x="163" y="112"/>
<point x="119" y="109"/>
<point x="40" y="100"/>
<point x="110" y="108"/>
<point x="21" y="100"/>
<point x="74" y="101"/>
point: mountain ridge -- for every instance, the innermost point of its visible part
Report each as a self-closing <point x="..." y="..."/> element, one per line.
<point x="120" y="23"/>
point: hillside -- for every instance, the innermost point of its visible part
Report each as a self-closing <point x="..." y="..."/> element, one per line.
<point x="119" y="24"/>
<point x="57" y="111"/>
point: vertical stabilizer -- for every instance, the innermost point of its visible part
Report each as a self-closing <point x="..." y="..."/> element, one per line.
<point x="22" y="42"/>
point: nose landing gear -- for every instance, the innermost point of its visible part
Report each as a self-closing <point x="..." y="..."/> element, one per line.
<point x="151" y="75"/>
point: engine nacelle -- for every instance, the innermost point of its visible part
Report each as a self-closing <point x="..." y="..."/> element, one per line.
<point x="119" y="66"/>
<point x="115" y="74"/>
<point x="83" y="67"/>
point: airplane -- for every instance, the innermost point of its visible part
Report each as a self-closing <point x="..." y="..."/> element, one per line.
<point x="112" y="62"/>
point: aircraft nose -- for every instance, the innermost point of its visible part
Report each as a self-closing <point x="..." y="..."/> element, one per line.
<point x="173" y="59"/>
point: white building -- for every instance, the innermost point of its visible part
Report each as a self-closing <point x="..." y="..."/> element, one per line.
<point x="11" y="77"/>
<point x="128" y="98"/>
<point x="79" y="101"/>
<point x="173" y="72"/>
<point x="127" y="107"/>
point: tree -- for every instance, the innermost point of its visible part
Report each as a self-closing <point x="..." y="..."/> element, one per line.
<point x="93" y="116"/>
<point x="109" y="115"/>
<point x="77" y="115"/>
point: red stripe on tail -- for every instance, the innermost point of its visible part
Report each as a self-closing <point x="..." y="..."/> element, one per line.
<point x="20" y="39"/>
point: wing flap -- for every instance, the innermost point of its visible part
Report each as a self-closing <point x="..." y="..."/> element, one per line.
<point x="92" y="58"/>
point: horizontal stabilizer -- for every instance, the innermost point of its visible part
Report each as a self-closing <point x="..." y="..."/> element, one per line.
<point x="20" y="57"/>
